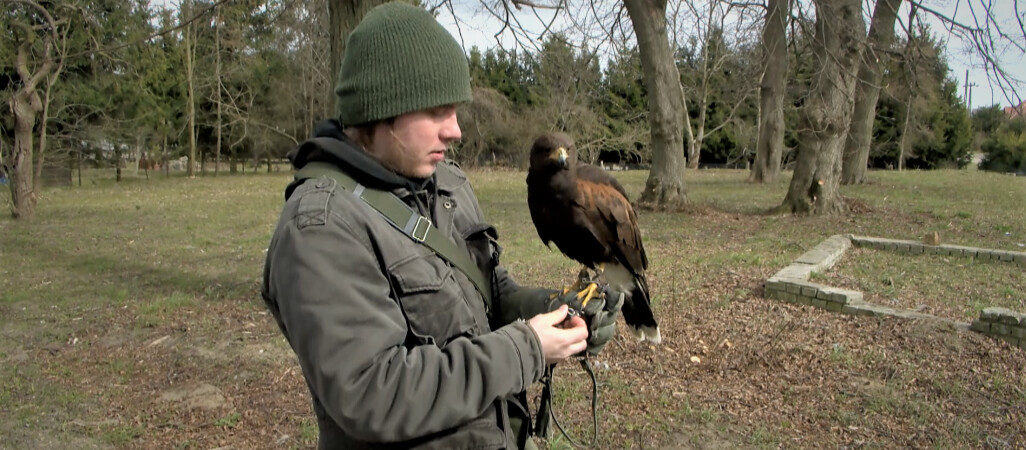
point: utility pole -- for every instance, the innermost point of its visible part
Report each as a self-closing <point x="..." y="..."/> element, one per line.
<point x="968" y="95"/>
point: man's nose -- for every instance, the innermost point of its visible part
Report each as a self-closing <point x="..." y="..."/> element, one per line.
<point x="451" y="128"/>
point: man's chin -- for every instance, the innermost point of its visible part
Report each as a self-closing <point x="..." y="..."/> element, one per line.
<point x="425" y="171"/>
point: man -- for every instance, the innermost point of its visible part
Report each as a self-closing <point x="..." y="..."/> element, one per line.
<point x="400" y="347"/>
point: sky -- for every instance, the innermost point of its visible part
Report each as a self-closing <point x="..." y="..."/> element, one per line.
<point x="985" y="90"/>
<point x="477" y="27"/>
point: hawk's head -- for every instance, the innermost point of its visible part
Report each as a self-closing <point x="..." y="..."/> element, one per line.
<point x="552" y="150"/>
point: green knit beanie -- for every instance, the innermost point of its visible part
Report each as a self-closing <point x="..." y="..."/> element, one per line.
<point x="399" y="59"/>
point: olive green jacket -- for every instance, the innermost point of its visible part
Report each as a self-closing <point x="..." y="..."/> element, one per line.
<point x="397" y="346"/>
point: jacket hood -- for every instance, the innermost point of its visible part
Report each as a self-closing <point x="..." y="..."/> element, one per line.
<point x="330" y="145"/>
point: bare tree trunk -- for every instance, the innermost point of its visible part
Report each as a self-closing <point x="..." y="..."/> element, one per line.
<point x="867" y="91"/>
<point x="217" y="78"/>
<point x="163" y="151"/>
<point x="665" y="185"/>
<point x="903" y="142"/>
<point x="827" y="112"/>
<point x="117" y="162"/>
<point x="43" y="119"/>
<point x="910" y="61"/>
<point x="770" y="147"/>
<point x="343" y="16"/>
<point x="308" y="93"/>
<point x="25" y="104"/>
<point x="140" y="141"/>
<point x="694" y="141"/>
<point x="190" y="48"/>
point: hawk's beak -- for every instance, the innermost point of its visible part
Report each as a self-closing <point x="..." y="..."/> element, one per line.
<point x="562" y="156"/>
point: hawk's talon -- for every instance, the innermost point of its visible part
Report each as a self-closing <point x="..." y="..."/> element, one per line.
<point x="588" y="293"/>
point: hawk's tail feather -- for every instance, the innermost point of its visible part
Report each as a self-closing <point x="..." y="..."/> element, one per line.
<point x="637" y="312"/>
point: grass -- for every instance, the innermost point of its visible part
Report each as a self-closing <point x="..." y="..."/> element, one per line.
<point x="947" y="286"/>
<point x="229" y="421"/>
<point x="158" y="281"/>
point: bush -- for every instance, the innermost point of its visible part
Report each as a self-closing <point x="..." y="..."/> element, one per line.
<point x="1005" y="149"/>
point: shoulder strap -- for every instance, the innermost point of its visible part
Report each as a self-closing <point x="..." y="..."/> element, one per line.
<point x="401" y="216"/>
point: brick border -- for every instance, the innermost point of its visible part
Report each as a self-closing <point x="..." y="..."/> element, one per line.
<point x="791" y="284"/>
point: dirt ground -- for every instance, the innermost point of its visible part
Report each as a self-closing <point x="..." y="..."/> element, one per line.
<point x="735" y="370"/>
<point x="741" y="371"/>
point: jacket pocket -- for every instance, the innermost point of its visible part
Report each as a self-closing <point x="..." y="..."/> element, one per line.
<point x="482" y="243"/>
<point x="436" y="308"/>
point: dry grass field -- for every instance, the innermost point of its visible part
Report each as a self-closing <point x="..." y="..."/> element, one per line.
<point x="130" y="317"/>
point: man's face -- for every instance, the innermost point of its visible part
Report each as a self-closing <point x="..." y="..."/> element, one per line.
<point x="416" y="142"/>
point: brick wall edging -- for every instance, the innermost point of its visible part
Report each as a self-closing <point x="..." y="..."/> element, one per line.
<point x="791" y="284"/>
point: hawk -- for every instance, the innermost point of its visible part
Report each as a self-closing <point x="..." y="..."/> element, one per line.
<point x="585" y="211"/>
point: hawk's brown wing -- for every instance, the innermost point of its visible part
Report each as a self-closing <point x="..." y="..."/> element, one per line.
<point x="602" y="206"/>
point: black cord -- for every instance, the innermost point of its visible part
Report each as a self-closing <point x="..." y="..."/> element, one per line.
<point x="594" y="407"/>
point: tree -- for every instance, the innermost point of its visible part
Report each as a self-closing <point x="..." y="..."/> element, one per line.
<point x="770" y="146"/>
<point x="343" y="16"/>
<point x="568" y="88"/>
<point x="1005" y="149"/>
<point x="189" y="51"/>
<point x="827" y="109"/>
<point x="867" y="90"/>
<point x="988" y="119"/>
<point x="623" y="106"/>
<point x="665" y="185"/>
<point x="713" y="75"/>
<point x="920" y="121"/>
<point x="985" y="121"/>
<point x="39" y="39"/>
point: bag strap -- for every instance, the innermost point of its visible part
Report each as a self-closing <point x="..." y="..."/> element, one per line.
<point x="401" y="216"/>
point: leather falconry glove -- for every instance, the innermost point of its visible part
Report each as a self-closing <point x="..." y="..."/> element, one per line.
<point x="598" y="306"/>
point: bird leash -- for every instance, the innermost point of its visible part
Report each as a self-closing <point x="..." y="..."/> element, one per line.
<point x="545" y="408"/>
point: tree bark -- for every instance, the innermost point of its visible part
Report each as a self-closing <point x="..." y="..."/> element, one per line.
<point x="665" y="186"/>
<point x="903" y="142"/>
<point x="867" y="91"/>
<point x="770" y="146"/>
<point x="217" y="78"/>
<point x="694" y="139"/>
<point x="117" y="162"/>
<point x="25" y="104"/>
<point x="163" y="152"/>
<point x="343" y="16"/>
<point x="827" y="111"/>
<point x="137" y="153"/>
<point x="190" y="49"/>
<point x="43" y="119"/>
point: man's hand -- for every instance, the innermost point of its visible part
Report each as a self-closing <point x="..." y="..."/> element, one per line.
<point x="559" y="337"/>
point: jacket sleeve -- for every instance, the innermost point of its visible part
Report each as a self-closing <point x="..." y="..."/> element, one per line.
<point x="516" y="302"/>
<point x="513" y="302"/>
<point x="334" y="305"/>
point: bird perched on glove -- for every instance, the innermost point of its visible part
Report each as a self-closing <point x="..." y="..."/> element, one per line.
<point x="585" y="211"/>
